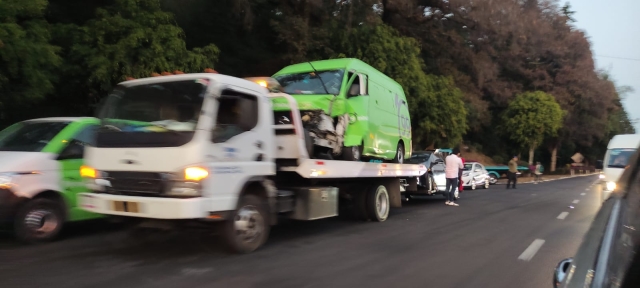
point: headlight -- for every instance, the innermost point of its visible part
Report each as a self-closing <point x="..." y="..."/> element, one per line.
<point x="5" y="180"/>
<point x="195" y="173"/>
<point x="88" y="172"/>
<point x="611" y="186"/>
<point x="601" y="176"/>
<point x="190" y="184"/>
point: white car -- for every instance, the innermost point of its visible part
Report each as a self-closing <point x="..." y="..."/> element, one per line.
<point x="475" y="175"/>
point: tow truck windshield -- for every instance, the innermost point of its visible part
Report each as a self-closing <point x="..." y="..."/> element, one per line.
<point x="141" y="115"/>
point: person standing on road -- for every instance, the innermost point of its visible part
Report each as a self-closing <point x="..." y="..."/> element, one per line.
<point x="454" y="165"/>
<point x="538" y="172"/>
<point x="513" y="169"/>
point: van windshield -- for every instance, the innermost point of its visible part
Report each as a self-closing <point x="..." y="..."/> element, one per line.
<point x="309" y="82"/>
<point x="29" y="136"/>
<point x="619" y="158"/>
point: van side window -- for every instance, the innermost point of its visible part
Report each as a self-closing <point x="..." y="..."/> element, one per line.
<point x="237" y="113"/>
<point x="354" y="89"/>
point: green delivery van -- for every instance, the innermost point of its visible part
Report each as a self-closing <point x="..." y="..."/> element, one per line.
<point x="40" y="164"/>
<point x="350" y="110"/>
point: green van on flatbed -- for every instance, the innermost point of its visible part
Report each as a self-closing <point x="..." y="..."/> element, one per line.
<point x="349" y="108"/>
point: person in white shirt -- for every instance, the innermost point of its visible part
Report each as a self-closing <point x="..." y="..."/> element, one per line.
<point x="454" y="164"/>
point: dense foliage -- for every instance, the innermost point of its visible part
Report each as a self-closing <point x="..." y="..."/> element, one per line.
<point x="462" y="62"/>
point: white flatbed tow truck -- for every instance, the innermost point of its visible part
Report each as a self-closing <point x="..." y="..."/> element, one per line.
<point x="231" y="164"/>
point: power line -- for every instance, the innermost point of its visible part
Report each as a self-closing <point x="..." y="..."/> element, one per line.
<point x="621" y="58"/>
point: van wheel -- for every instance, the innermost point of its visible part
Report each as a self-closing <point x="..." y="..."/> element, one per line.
<point x="39" y="220"/>
<point x="248" y="228"/>
<point x="353" y="153"/>
<point x="399" y="158"/>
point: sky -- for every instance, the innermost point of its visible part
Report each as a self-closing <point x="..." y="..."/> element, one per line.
<point x="613" y="28"/>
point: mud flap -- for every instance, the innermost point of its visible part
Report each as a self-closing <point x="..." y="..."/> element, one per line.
<point x="393" y="188"/>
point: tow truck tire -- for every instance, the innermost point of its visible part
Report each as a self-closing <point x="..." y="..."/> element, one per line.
<point x="378" y="204"/>
<point x="39" y="220"/>
<point x="248" y="227"/>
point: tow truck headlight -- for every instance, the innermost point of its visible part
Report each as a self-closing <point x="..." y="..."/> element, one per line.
<point x="190" y="184"/>
<point x="611" y="186"/>
<point x="195" y="173"/>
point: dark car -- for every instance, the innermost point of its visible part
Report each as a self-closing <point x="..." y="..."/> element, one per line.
<point x="608" y="255"/>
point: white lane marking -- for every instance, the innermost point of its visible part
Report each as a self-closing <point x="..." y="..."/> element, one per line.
<point x="586" y="189"/>
<point x="563" y="215"/>
<point x="531" y="250"/>
<point x="576" y="201"/>
<point x="582" y="194"/>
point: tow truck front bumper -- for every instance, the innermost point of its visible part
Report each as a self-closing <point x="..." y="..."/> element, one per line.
<point x="148" y="207"/>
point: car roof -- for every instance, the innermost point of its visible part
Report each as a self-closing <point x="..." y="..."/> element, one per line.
<point x="624" y="141"/>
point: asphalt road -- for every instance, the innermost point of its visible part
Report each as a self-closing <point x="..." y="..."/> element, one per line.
<point x="489" y="241"/>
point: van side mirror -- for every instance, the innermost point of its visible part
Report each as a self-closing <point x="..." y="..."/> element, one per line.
<point x="561" y="271"/>
<point x="75" y="150"/>
<point x="354" y="90"/>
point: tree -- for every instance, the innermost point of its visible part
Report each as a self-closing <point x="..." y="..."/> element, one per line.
<point x="28" y="60"/>
<point x="132" y="38"/>
<point x="531" y="117"/>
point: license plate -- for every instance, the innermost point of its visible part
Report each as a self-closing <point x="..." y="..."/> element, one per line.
<point x="125" y="206"/>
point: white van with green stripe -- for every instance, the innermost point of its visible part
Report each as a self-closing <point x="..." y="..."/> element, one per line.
<point x="39" y="175"/>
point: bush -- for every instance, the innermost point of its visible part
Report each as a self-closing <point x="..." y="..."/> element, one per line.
<point x="498" y="159"/>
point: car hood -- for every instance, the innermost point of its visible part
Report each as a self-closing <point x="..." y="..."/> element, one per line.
<point x="26" y="161"/>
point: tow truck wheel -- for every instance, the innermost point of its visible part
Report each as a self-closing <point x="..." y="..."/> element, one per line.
<point x="248" y="228"/>
<point x="378" y="204"/>
<point x="39" y="220"/>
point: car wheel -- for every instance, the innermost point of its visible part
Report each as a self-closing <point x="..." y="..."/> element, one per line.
<point x="399" y="158"/>
<point x="493" y="179"/>
<point x="486" y="184"/>
<point x="353" y="153"/>
<point x="473" y="184"/>
<point x="39" y="220"/>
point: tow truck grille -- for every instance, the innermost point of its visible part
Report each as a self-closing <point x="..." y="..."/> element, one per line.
<point x="135" y="183"/>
